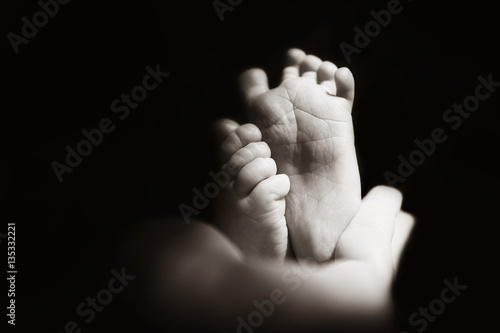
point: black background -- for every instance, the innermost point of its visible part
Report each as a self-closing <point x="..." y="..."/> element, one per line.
<point x="66" y="77"/>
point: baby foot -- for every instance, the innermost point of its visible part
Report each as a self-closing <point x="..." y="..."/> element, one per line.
<point x="251" y="209"/>
<point x="307" y="123"/>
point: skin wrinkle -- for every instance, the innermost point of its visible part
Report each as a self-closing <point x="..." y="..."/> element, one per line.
<point x="308" y="107"/>
<point x="295" y="143"/>
<point x="329" y="128"/>
<point x="276" y="122"/>
<point x="324" y="99"/>
<point x="319" y="156"/>
<point x="324" y="120"/>
<point x="258" y="218"/>
<point x="330" y="191"/>
<point x="316" y="117"/>
<point x="297" y="173"/>
<point x="330" y="96"/>
<point x="272" y="122"/>
<point x="320" y="199"/>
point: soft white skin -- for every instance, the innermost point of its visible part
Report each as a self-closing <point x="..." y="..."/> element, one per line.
<point x="251" y="209"/>
<point x="196" y="277"/>
<point x="311" y="136"/>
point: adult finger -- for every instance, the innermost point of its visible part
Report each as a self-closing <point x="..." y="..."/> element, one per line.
<point x="402" y="230"/>
<point x="369" y="235"/>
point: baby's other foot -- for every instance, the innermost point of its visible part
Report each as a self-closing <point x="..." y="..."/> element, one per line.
<point x="251" y="209"/>
<point x="307" y="123"/>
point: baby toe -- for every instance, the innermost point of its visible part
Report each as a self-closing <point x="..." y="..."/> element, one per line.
<point x="223" y="128"/>
<point x="268" y="198"/>
<point x="294" y="57"/>
<point x="326" y="71"/>
<point x="275" y="187"/>
<point x="253" y="173"/>
<point x="310" y="63"/>
<point x="345" y="84"/>
<point x="292" y="62"/>
<point x="238" y="139"/>
<point x="248" y="154"/>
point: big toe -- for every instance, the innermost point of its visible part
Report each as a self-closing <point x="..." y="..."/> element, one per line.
<point x="345" y="84"/>
<point x="273" y="188"/>
<point x="238" y="139"/>
<point x="254" y="173"/>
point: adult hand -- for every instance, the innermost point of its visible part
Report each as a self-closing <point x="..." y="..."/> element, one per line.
<point x="196" y="278"/>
